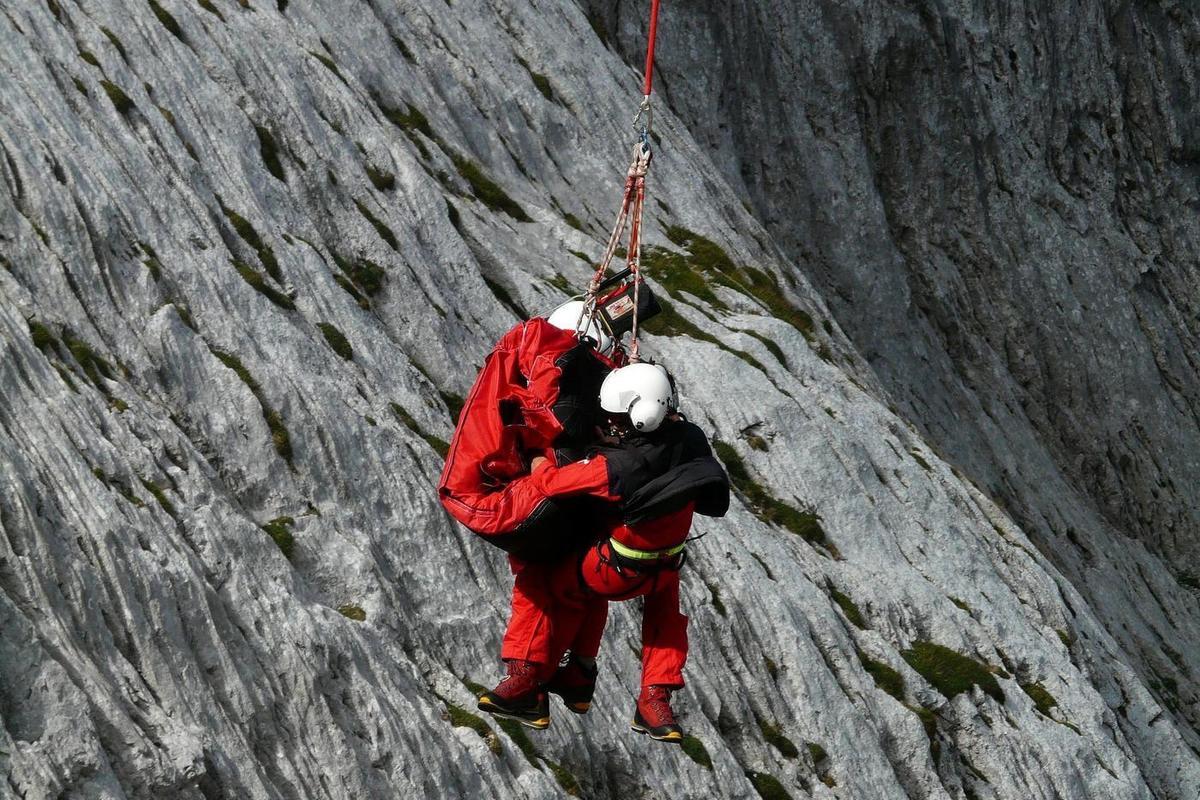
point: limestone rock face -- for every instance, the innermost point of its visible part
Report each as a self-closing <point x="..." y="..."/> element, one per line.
<point x="252" y="254"/>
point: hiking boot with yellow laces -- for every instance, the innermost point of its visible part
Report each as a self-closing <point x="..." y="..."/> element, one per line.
<point x="654" y="716"/>
<point x="519" y="696"/>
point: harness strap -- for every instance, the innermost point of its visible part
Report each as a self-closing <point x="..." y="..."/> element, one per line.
<point x="625" y="551"/>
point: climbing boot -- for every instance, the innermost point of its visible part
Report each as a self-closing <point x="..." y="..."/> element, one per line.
<point x="654" y="716"/>
<point x="519" y="696"/>
<point x="575" y="683"/>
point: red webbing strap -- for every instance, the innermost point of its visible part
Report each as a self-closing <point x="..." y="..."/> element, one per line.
<point x="634" y="196"/>
<point x="650" y="47"/>
<point x="635" y="258"/>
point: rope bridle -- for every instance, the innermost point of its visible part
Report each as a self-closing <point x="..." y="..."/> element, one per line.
<point x="630" y="213"/>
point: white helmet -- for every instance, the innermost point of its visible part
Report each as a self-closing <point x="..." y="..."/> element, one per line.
<point x="570" y="317"/>
<point x="644" y="391"/>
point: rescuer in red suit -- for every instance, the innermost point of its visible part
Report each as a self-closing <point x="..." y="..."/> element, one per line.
<point x="536" y="394"/>
<point x="655" y="470"/>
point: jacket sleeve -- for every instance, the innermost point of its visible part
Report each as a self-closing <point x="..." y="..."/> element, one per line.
<point x="538" y="350"/>
<point x="587" y="477"/>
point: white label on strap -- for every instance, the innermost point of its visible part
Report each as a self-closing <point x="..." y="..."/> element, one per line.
<point x="619" y="307"/>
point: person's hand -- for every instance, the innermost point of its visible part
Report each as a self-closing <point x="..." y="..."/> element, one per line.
<point x="537" y="462"/>
<point x="604" y="438"/>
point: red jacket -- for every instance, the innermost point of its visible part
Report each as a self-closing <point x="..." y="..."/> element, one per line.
<point x="511" y="409"/>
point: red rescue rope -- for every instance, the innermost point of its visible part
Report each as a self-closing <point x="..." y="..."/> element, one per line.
<point x="634" y="196"/>
<point x="650" y="47"/>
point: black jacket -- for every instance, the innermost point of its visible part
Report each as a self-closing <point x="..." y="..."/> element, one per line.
<point x="660" y="472"/>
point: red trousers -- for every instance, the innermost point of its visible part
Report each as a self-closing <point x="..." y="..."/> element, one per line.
<point x="565" y="605"/>
<point x="528" y="636"/>
<point x="533" y="605"/>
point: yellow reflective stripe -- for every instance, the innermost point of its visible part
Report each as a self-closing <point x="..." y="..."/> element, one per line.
<point x="644" y="555"/>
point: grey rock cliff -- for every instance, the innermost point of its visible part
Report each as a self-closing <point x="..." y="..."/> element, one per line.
<point x="253" y="253"/>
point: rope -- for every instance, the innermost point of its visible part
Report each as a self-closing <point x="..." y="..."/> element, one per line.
<point x="650" y="47"/>
<point x="634" y="197"/>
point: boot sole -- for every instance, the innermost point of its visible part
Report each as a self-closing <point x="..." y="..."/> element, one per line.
<point x="576" y="706"/>
<point x="529" y="721"/>
<point x="674" y="737"/>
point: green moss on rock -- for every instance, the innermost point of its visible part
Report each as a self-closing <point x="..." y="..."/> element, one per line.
<point x="710" y="264"/>
<point x="355" y="613"/>
<point x="328" y="63"/>
<point x="336" y="340"/>
<point x="278" y="530"/>
<point x="1042" y="699"/>
<point x="566" y="780"/>
<point x="486" y="190"/>
<point x="364" y="273"/>
<point x="960" y="603"/>
<point x="210" y="8"/>
<point x="560" y="282"/>
<point x="126" y="491"/>
<point x="506" y="299"/>
<point x="249" y="235"/>
<point x="516" y="732"/>
<point x="437" y="444"/>
<point x="454" y="404"/>
<point x="410" y="120"/>
<point x="169" y="22"/>
<point x="886" y="678"/>
<point x="380" y="226"/>
<point x="116" y="42"/>
<point x="805" y="523"/>
<point x="950" y="672"/>
<point x="260" y="285"/>
<point x="268" y="148"/>
<point x="160" y="495"/>
<point x="93" y="365"/>
<point x="675" y="273"/>
<point x="280" y="438"/>
<point x="43" y="338"/>
<point x="670" y="322"/>
<point x="121" y="101"/>
<point x="848" y="608"/>
<point x="694" y="749"/>
<point x="773" y="735"/>
<point x="768" y="786"/>
<point x="459" y="717"/>
<point x="381" y="180"/>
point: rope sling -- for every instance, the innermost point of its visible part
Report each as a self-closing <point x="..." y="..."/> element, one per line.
<point x="630" y="214"/>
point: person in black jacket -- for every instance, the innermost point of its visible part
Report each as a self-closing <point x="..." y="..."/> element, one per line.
<point x="657" y="470"/>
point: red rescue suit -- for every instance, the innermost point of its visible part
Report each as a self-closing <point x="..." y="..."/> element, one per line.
<point x="537" y="390"/>
<point x="658" y="482"/>
<point x="599" y="576"/>
<point x="529" y="631"/>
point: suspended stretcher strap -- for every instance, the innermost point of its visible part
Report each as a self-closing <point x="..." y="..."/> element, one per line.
<point x="630" y="213"/>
